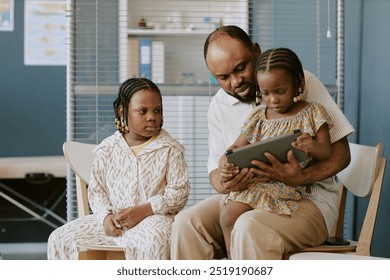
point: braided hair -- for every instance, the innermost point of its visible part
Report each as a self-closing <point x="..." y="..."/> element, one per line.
<point x="282" y="58"/>
<point x="126" y="90"/>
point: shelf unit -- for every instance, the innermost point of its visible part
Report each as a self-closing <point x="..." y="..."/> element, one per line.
<point x="181" y="27"/>
<point x="177" y="63"/>
<point x="164" y="32"/>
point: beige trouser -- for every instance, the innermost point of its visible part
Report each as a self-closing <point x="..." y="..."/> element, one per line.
<point x="257" y="234"/>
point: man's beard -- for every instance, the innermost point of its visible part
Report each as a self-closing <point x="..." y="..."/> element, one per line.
<point x="250" y="98"/>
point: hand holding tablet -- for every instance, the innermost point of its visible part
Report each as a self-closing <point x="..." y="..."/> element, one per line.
<point x="277" y="146"/>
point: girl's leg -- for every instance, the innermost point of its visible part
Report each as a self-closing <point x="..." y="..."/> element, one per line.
<point x="63" y="242"/>
<point x="148" y="240"/>
<point x="228" y="216"/>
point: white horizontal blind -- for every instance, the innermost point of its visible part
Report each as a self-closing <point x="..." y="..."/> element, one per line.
<point x="180" y="27"/>
<point x="104" y="43"/>
<point x="107" y="42"/>
<point x="308" y="27"/>
<point x="185" y="119"/>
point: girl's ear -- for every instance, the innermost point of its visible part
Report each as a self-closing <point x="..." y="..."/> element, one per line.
<point x="302" y="85"/>
<point x="120" y="111"/>
<point x="256" y="50"/>
<point x="302" y="88"/>
<point x="162" y="122"/>
<point x="302" y="92"/>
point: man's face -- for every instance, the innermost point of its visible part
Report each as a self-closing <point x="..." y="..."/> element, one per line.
<point x="233" y="66"/>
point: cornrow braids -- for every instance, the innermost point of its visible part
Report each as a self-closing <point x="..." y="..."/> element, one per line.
<point x="232" y="31"/>
<point x="126" y="90"/>
<point x="282" y="58"/>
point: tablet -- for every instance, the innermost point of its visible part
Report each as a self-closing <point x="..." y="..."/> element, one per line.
<point x="277" y="146"/>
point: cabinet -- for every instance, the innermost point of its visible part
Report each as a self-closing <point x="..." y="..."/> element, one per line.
<point x="167" y="56"/>
<point x="176" y="32"/>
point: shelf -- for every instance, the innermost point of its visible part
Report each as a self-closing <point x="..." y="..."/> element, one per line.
<point x="140" y="31"/>
<point x="166" y="89"/>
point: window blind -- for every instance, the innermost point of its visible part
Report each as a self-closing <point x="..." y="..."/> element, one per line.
<point x="307" y="27"/>
<point x="109" y="41"/>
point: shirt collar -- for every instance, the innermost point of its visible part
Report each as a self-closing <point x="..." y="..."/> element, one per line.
<point x="232" y="100"/>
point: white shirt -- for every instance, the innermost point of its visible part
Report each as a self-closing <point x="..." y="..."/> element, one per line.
<point x="226" y="115"/>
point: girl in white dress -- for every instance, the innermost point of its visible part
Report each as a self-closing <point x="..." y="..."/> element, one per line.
<point x="138" y="183"/>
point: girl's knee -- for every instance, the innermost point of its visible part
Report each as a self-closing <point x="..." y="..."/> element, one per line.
<point x="227" y="217"/>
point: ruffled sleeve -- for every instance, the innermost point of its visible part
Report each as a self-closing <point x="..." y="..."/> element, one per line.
<point x="252" y="125"/>
<point x="318" y="117"/>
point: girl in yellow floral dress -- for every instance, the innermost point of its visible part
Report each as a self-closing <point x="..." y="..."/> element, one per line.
<point x="281" y="84"/>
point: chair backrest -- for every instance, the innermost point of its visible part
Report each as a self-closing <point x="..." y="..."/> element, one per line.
<point x="364" y="178"/>
<point x="360" y="174"/>
<point x="80" y="158"/>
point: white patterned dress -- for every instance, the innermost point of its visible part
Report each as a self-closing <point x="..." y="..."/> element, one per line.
<point x="119" y="179"/>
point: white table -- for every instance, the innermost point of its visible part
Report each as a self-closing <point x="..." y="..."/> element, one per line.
<point x="43" y="168"/>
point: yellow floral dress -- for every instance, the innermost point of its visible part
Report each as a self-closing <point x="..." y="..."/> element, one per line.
<point x="274" y="196"/>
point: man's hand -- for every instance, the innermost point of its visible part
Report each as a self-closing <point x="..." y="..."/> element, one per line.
<point x="291" y="173"/>
<point x="286" y="173"/>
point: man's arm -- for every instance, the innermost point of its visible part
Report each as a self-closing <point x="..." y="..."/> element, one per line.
<point x="217" y="148"/>
<point x="339" y="159"/>
<point x="214" y="177"/>
<point x="290" y="173"/>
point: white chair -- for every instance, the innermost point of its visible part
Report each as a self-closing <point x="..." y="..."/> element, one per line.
<point x="363" y="178"/>
<point x="331" y="256"/>
<point x="80" y="158"/>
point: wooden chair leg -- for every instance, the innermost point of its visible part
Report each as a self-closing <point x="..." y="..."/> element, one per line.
<point x="101" y="253"/>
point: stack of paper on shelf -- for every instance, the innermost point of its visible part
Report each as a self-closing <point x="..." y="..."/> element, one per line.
<point x="158" y="62"/>
<point x="145" y="64"/>
<point x="146" y="59"/>
<point x="133" y="57"/>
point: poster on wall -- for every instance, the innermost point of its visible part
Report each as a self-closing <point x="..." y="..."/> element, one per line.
<point x="44" y="32"/>
<point x="6" y="15"/>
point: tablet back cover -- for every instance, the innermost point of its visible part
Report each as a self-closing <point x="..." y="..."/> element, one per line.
<point x="278" y="146"/>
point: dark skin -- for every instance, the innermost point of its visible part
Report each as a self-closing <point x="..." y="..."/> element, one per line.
<point x="278" y="91"/>
<point x="116" y="224"/>
<point x="235" y="73"/>
<point x="144" y="121"/>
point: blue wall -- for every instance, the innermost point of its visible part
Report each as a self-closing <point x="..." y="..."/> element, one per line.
<point x="367" y="84"/>
<point x="32" y="99"/>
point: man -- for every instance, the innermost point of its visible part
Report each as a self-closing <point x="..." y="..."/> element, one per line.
<point x="231" y="57"/>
